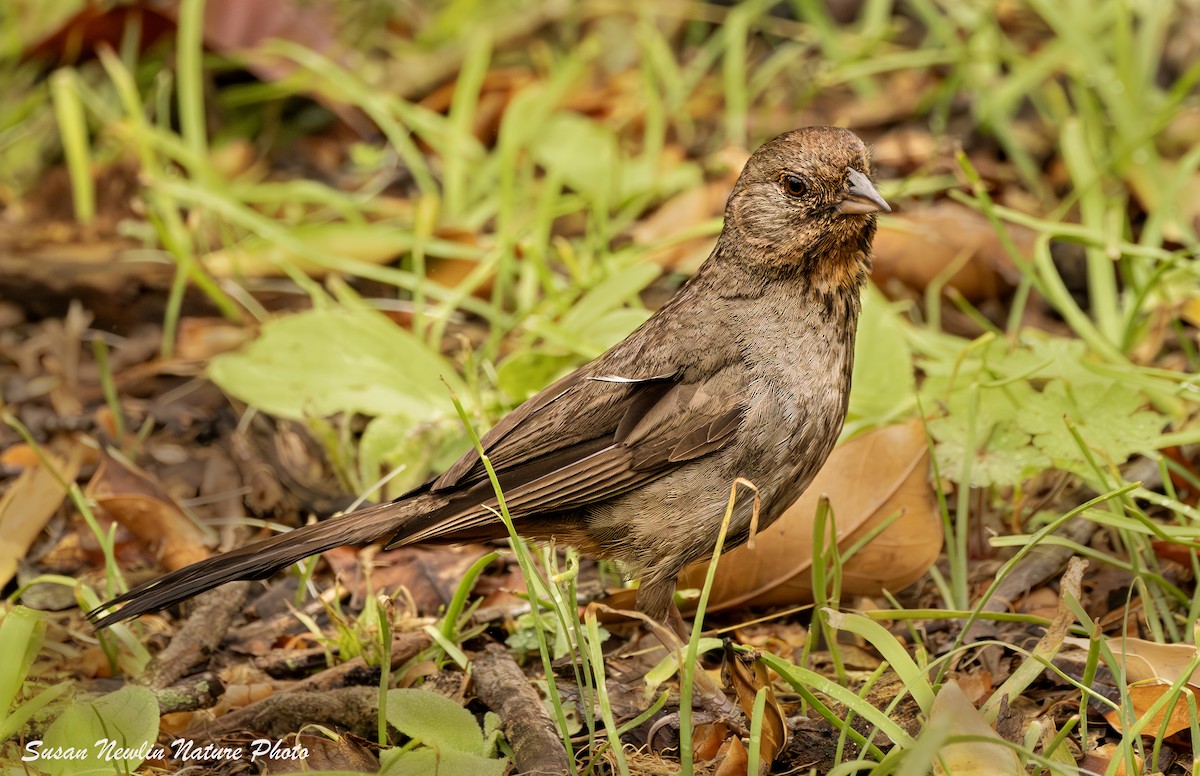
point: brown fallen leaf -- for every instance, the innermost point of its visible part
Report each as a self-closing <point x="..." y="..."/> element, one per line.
<point x="128" y="496"/>
<point x="20" y="456"/>
<point x="747" y="675"/>
<point x="925" y="244"/>
<point x="500" y="85"/>
<point x="1100" y="759"/>
<point x="1171" y="719"/>
<point x="708" y="739"/>
<point x="686" y="211"/>
<point x="337" y="752"/>
<point x="905" y="148"/>
<point x="735" y="761"/>
<point x="200" y="339"/>
<point x="29" y="503"/>
<point x="429" y="573"/>
<point x="1042" y="602"/>
<point x="868" y="480"/>
<point x="1148" y="660"/>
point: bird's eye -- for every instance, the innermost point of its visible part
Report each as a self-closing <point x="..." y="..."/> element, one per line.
<point x="793" y="186"/>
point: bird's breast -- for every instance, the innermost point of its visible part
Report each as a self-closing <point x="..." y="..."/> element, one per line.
<point x="797" y="397"/>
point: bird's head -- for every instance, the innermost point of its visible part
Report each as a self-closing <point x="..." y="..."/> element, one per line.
<point x="805" y="201"/>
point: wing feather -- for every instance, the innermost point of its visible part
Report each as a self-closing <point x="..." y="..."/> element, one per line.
<point x="586" y="439"/>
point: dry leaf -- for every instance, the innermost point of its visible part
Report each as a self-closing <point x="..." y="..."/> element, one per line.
<point x="736" y="761"/>
<point x="1099" y="759"/>
<point x="708" y="739"/>
<point x="200" y="339"/>
<point x="1148" y="660"/>
<point x="951" y="708"/>
<point x="28" y="505"/>
<point x="429" y="573"/>
<point x="922" y="245"/>
<point x="686" y="211"/>
<point x="20" y="456"/>
<point x="500" y="85"/>
<point x="906" y="148"/>
<point x="868" y="480"/>
<point x="344" y="753"/>
<point x="132" y="499"/>
<point x="746" y="674"/>
<point x="1143" y="696"/>
<point x="1042" y="602"/>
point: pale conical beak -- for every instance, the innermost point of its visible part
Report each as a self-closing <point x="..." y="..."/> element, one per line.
<point x="862" y="198"/>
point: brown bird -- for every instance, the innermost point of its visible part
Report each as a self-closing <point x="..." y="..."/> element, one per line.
<point x="744" y="373"/>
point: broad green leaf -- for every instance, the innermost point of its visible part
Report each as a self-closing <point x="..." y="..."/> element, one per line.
<point x="114" y="732"/>
<point x="1007" y="457"/>
<point x="1025" y="391"/>
<point x="1003" y="453"/>
<point x="613" y="327"/>
<point x="1109" y="418"/>
<point x="368" y="242"/>
<point x="883" y="387"/>
<point x="21" y="633"/>
<point x="324" y="362"/>
<point x="523" y="374"/>
<point x="610" y="294"/>
<point x="434" y="720"/>
<point x="583" y="152"/>
<point x="448" y="762"/>
<point x="392" y="441"/>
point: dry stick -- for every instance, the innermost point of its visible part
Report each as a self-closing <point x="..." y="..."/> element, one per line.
<point x="536" y="743"/>
<point x="201" y="691"/>
<point x="405" y="646"/>
<point x="199" y="636"/>
<point x="1042" y="563"/>
<point x="351" y="708"/>
<point x="291" y="663"/>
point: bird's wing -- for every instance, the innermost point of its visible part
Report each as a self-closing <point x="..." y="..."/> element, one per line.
<point x="585" y="439"/>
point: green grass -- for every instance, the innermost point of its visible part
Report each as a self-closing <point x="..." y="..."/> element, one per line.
<point x="1072" y="86"/>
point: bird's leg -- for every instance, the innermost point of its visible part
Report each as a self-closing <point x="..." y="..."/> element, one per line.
<point x="656" y="600"/>
<point x="676" y="622"/>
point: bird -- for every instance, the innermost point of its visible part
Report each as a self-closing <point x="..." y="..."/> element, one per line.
<point x="743" y="374"/>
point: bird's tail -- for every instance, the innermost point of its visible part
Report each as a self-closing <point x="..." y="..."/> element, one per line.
<point x="260" y="560"/>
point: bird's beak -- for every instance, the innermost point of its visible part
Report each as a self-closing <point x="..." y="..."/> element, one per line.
<point x="862" y="198"/>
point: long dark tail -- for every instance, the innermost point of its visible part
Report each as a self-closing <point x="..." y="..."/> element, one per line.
<point x="261" y="560"/>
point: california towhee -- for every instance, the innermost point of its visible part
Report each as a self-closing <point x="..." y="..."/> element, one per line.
<point x="744" y="373"/>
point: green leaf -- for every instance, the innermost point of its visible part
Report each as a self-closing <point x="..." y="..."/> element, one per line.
<point x="21" y="633"/>
<point x="1025" y="391"/>
<point x="325" y="362"/>
<point x="113" y="732"/>
<point x="1109" y="418"/>
<point x="582" y="151"/>
<point x="394" y="440"/>
<point x="613" y="327"/>
<point x="492" y="733"/>
<point x="523" y="374"/>
<point x="1003" y="452"/>
<point x="434" y="720"/>
<point x="884" y="387"/>
<point x="1006" y="458"/>
<point x="608" y="296"/>
<point x="427" y="762"/>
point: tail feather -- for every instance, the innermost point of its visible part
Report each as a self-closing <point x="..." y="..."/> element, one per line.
<point x="260" y="560"/>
